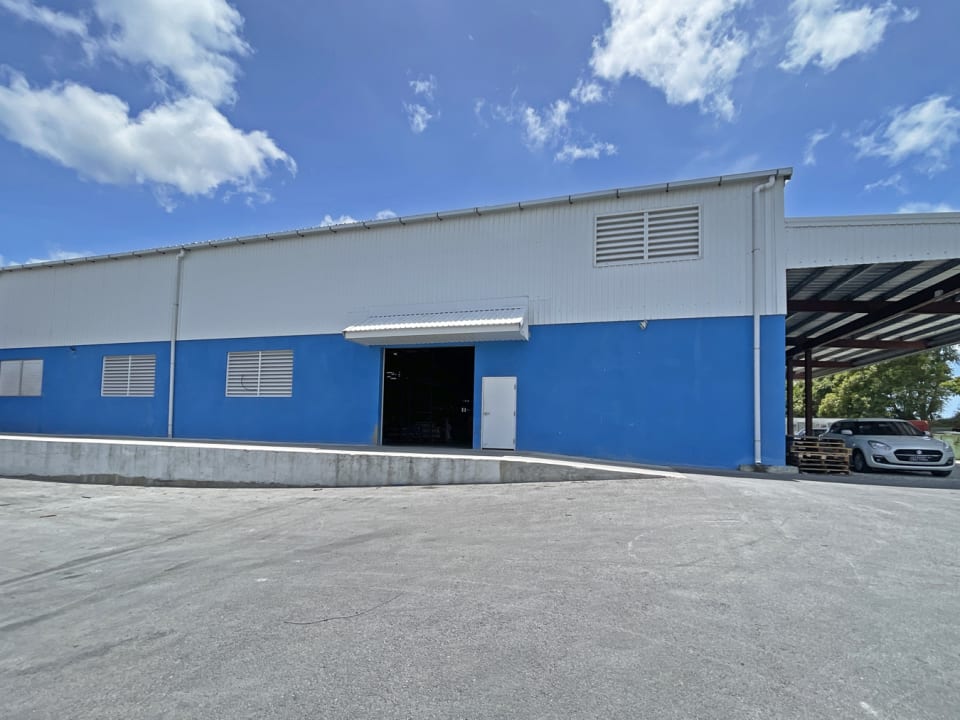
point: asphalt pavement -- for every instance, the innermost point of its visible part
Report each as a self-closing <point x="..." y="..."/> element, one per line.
<point x="704" y="597"/>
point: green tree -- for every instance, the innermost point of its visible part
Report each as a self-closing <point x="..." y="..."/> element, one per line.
<point x="915" y="387"/>
<point x="821" y="388"/>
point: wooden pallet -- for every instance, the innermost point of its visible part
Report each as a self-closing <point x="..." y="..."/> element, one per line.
<point x="821" y="456"/>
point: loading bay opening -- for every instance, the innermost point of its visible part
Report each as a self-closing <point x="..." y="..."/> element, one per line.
<point x="428" y="396"/>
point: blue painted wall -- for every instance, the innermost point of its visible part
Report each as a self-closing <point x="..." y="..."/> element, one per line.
<point x="336" y="392"/>
<point x="679" y="392"/>
<point x="70" y="402"/>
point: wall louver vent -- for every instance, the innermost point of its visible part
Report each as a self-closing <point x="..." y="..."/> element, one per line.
<point x="647" y="236"/>
<point x="260" y="373"/>
<point x="21" y="378"/>
<point x="128" y="376"/>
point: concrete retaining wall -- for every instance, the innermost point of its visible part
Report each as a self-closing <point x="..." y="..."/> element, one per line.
<point x="139" y="462"/>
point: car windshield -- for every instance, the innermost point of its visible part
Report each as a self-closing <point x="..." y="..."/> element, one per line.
<point x="886" y="427"/>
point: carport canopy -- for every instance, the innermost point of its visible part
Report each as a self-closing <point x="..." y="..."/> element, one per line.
<point x="900" y="295"/>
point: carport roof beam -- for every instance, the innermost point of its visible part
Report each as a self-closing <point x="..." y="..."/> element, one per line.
<point x="868" y="344"/>
<point x="937" y="293"/>
<point x="868" y="306"/>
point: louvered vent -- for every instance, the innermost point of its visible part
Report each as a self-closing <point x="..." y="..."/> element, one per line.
<point x="129" y="376"/>
<point x="260" y="373"/>
<point x="648" y="236"/>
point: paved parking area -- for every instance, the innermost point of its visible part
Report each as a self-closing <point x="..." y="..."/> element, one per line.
<point x="899" y="479"/>
<point x="705" y="597"/>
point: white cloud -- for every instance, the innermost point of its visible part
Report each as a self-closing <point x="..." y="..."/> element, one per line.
<point x="479" y="105"/>
<point x="895" y="182"/>
<point x="187" y="144"/>
<point x="587" y="92"/>
<point x="194" y="41"/>
<point x="816" y="137"/>
<point x="421" y="112"/>
<point x="425" y="86"/>
<point x="190" y="43"/>
<point x="350" y="220"/>
<point x="571" y="152"/>
<point x="181" y="145"/>
<point x="689" y="49"/>
<point x="925" y="207"/>
<point x="826" y="35"/>
<point x="418" y="116"/>
<point x="59" y="23"/>
<point x="928" y="129"/>
<point x="550" y="127"/>
<point x="540" y="129"/>
<point x="342" y="220"/>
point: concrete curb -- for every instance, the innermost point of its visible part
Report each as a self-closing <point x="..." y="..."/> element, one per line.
<point x="198" y="464"/>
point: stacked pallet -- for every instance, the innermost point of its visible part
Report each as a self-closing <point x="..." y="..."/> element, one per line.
<point x="821" y="456"/>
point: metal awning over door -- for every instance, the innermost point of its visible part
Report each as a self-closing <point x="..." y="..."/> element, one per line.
<point x="479" y="323"/>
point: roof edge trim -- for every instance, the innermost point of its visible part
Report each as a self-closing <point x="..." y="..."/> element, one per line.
<point x="866" y="220"/>
<point x="616" y="193"/>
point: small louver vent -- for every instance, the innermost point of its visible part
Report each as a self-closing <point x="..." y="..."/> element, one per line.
<point x="21" y="378"/>
<point x="648" y="236"/>
<point x="128" y="376"/>
<point x="260" y="373"/>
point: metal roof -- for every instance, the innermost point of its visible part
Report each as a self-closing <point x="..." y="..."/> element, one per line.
<point x="719" y="180"/>
<point x="855" y="315"/>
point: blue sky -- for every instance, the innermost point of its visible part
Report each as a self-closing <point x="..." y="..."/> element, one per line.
<point x="133" y="123"/>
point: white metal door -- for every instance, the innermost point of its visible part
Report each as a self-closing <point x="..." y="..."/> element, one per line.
<point x="498" y="427"/>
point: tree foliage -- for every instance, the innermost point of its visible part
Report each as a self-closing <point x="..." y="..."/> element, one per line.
<point x="915" y="387"/>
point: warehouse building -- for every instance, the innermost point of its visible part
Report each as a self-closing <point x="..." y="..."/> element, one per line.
<point x="646" y="324"/>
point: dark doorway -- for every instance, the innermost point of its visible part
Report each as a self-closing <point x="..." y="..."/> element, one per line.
<point x="428" y="396"/>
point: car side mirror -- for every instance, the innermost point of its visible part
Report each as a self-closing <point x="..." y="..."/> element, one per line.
<point x="846" y="432"/>
<point x="927" y="433"/>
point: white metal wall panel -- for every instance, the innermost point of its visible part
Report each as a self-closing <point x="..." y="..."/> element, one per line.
<point x="867" y="239"/>
<point x="125" y="300"/>
<point x="322" y="284"/>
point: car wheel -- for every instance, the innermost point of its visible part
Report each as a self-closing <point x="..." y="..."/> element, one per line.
<point x="858" y="463"/>
<point x="941" y="473"/>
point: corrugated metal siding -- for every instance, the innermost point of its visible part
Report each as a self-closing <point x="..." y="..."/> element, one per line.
<point x="322" y="283"/>
<point x="127" y="300"/>
<point x="820" y="242"/>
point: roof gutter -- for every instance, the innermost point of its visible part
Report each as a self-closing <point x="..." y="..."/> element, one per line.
<point x="174" y="333"/>
<point x="755" y="258"/>
<point x="617" y="193"/>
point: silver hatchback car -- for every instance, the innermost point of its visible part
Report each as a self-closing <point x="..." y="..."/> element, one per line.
<point x="884" y="444"/>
